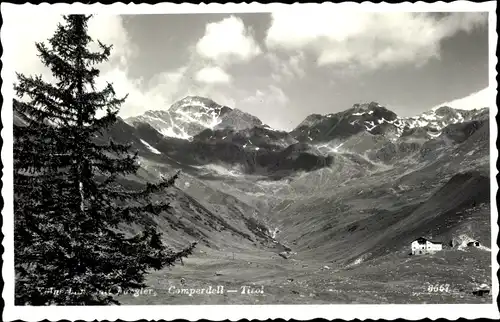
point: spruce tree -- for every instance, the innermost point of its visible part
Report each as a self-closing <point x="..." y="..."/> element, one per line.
<point x="68" y="202"/>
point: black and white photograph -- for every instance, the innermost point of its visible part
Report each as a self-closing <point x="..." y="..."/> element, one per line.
<point x="198" y="161"/>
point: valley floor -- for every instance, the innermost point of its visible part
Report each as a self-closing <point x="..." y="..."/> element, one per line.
<point x="392" y="278"/>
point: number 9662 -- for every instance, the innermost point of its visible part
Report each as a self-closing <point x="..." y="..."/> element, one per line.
<point x="438" y="288"/>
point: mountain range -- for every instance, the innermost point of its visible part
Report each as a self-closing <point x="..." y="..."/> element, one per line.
<point x="346" y="188"/>
<point x="227" y="153"/>
<point x="196" y="131"/>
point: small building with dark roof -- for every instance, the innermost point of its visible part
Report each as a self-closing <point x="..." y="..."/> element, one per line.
<point x="473" y="243"/>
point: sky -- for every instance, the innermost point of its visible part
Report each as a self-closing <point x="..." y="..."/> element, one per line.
<point x="285" y="65"/>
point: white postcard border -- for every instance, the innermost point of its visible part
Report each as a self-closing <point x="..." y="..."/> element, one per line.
<point x="236" y="312"/>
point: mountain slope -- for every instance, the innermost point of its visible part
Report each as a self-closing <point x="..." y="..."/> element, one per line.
<point x="331" y="171"/>
<point x="189" y="219"/>
<point x="343" y="195"/>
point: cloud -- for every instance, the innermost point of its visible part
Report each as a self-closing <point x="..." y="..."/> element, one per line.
<point x="158" y="93"/>
<point x="272" y="95"/>
<point x="286" y="68"/>
<point x="213" y="75"/>
<point x="269" y="104"/>
<point x="480" y="99"/>
<point x="19" y="37"/>
<point x="366" y="39"/>
<point x="228" y="41"/>
<point x="109" y="29"/>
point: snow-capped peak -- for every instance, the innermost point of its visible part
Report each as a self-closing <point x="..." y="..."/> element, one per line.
<point x="438" y="118"/>
<point x="185" y="118"/>
<point x="378" y="120"/>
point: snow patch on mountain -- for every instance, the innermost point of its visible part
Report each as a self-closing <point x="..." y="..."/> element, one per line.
<point x="371" y="126"/>
<point x="175" y="132"/>
<point x="208" y="120"/>
<point x="221" y="170"/>
<point x="271" y="129"/>
<point x="329" y="147"/>
<point x="150" y="148"/>
<point x="434" y="135"/>
<point x="273" y="232"/>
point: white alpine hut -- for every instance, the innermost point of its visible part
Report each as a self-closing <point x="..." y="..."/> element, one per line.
<point x="424" y="246"/>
